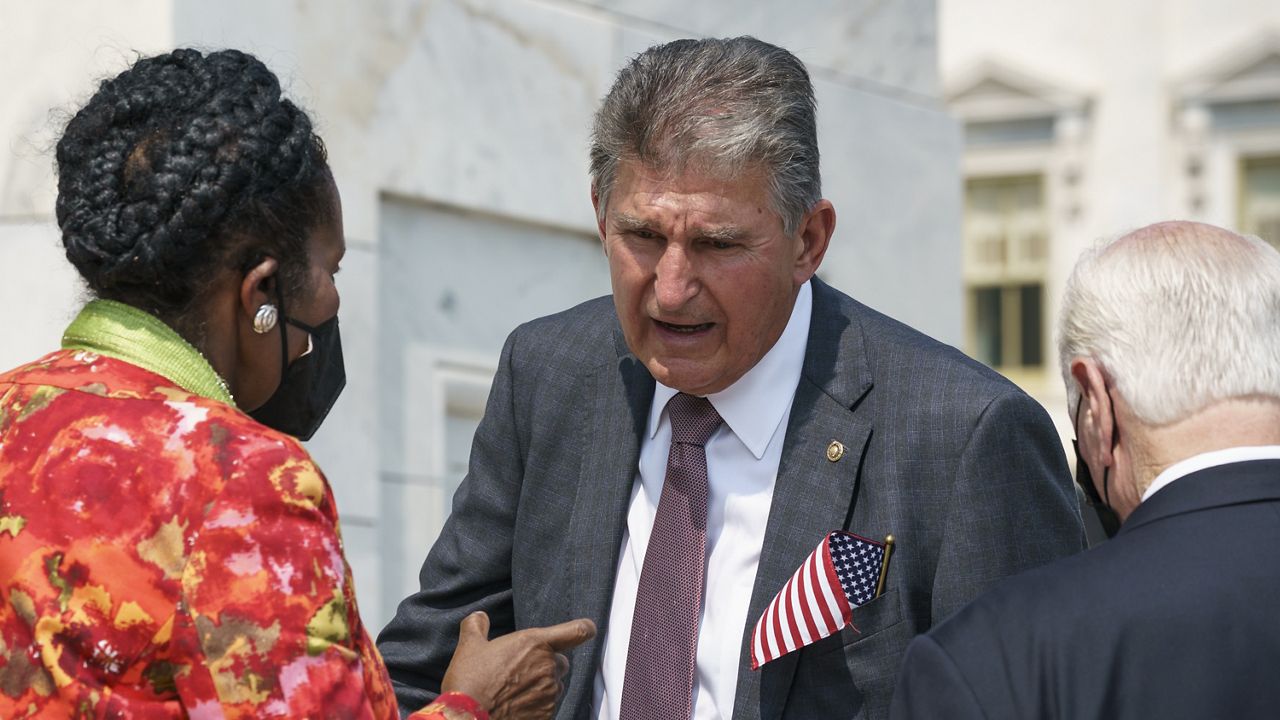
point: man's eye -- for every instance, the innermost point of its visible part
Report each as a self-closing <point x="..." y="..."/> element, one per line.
<point x="721" y="244"/>
<point x="644" y="234"/>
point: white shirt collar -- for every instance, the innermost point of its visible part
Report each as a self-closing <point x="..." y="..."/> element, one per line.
<point x="1196" y="463"/>
<point x="753" y="406"/>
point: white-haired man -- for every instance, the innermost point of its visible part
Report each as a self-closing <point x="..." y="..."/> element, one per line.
<point x="1170" y="349"/>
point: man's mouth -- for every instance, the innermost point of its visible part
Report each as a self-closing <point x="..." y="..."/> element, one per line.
<point x="684" y="329"/>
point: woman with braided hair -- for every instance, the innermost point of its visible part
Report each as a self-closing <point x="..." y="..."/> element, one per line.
<point x="167" y="546"/>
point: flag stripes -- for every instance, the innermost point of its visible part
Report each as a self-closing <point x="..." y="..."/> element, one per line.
<point x="819" y="598"/>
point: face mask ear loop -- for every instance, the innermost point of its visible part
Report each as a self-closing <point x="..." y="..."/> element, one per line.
<point x="1115" y="432"/>
<point x="284" y="334"/>
<point x="1076" y="443"/>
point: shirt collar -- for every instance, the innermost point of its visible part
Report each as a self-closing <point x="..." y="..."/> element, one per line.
<point x="123" y="332"/>
<point x="753" y="406"/>
<point x="1203" y="461"/>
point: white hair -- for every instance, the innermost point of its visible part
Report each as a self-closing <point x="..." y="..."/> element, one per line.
<point x="1179" y="315"/>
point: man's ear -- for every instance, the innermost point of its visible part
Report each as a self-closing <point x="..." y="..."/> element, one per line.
<point x="595" y="205"/>
<point x="1096" y="414"/>
<point x="814" y="233"/>
<point x="258" y="287"/>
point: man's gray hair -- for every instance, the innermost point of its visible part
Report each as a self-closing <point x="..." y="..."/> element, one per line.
<point x="1180" y="315"/>
<point x="725" y="105"/>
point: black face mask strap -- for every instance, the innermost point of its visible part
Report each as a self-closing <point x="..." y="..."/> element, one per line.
<point x="1115" y="431"/>
<point x="1091" y="492"/>
<point x="284" y="333"/>
<point x="1076" y="440"/>
<point x="1107" y="516"/>
<point x="309" y="329"/>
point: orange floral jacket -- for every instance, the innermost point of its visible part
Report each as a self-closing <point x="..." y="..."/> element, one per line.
<point x="163" y="555"/>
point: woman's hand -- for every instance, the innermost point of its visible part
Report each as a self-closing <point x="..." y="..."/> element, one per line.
<point x="516" y="675"/>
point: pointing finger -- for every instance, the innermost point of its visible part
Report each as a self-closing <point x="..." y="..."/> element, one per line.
<point x="567" y="635"/>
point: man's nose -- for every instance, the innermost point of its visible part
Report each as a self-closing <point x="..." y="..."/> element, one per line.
<point x="675" y="278"/>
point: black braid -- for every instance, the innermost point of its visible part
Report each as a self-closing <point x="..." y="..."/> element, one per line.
<point x="180" y="166"/>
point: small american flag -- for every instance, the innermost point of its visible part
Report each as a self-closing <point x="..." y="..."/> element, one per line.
<point x="841" y="574"/>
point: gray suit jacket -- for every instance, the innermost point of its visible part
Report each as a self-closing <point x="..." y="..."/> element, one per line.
<point x="964" y="469"/>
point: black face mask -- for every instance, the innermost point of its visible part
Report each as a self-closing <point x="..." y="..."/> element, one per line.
<point x="310" y="385"/>
<point x="1107" y="517"/>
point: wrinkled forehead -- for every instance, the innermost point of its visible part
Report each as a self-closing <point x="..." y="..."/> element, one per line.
<point x="719" y="205"/>
<point x="745" y="184"/>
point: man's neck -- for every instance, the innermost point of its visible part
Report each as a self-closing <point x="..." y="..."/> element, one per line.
<point x="1222" y="425"/>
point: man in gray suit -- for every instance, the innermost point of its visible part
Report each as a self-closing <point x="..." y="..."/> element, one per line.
<point x="663" y="460"/>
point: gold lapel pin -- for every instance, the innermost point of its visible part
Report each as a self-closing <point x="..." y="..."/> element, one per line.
<point x="835" y="451"/>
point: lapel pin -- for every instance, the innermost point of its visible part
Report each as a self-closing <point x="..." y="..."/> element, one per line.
<point x="835" y="451"/>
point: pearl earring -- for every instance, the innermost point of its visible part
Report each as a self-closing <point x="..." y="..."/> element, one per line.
<point x="265" y="319"/>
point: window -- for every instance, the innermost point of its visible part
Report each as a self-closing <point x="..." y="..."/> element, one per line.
<point x="1260" y="198"/>
<point x="1005" y="262"/>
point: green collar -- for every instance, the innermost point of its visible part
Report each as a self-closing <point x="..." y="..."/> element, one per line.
<point x="110" y="328"/>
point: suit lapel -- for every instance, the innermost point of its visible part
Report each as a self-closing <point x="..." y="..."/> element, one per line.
<point x="618" y="397"/>
<point x="813" y="495"/>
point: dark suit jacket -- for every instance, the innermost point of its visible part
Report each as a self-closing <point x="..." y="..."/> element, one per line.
<point x="1178" y="616"/>
<point x="965" y="470"/>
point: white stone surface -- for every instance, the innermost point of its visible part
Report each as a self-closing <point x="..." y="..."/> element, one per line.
<point x="362" y="544"/>
<point x="505" y="96"/>
<point x="460" y="282"/>
<point x="346" y="446"/>
<point x="891" y="171"/>
<point x="866" y="41"/>
<point x="454" y="283"/>
<point x="51" y="57"/>
<point x="39" y="291"/>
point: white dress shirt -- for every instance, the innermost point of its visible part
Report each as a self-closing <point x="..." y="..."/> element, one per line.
<point x="1203" y="461"/>
<point x="742" y="465"/>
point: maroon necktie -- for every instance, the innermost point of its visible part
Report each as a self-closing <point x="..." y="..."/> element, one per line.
<point x="664" y="630"/>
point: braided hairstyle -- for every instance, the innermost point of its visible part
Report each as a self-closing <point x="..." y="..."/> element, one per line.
<point x="181" y="167"/>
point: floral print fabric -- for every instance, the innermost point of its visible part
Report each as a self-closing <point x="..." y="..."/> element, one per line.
<point x="162" y="555"/>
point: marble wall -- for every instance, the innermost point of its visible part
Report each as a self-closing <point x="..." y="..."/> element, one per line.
<point x="51" y="56"/>
<point x="458" y="134"/>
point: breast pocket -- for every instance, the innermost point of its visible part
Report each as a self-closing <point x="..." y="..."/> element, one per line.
<point x="849" y="676"/>
<point x="880" y="614"/>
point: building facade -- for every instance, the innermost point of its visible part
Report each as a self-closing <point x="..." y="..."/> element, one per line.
<point x="458" y="131"/>
<point x="1085" y="120"/>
